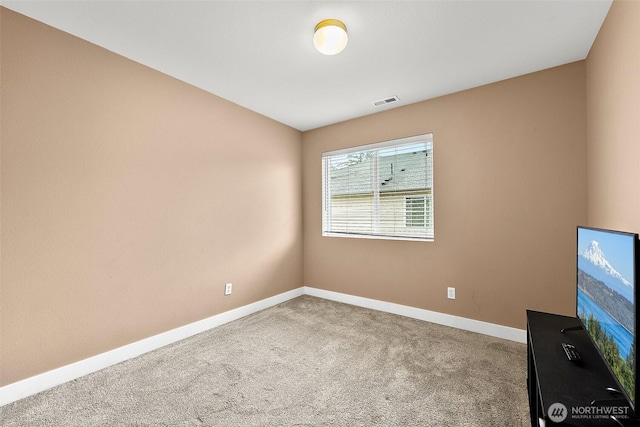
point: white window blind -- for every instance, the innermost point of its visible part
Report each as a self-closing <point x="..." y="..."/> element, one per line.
<point x="380" y="190"/>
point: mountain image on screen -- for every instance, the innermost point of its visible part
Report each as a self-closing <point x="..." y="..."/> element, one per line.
<point x="605" y="305"/>
<point x="614" y="304"/>
<point x="594" y="262"/>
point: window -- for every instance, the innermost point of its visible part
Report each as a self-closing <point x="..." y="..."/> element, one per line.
<point x="380" y="190"/>
<point x="416" y="209"/>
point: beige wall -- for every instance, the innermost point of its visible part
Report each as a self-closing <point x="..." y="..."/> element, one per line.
<point x="128" y="199"/>
<point x="613" y="120"/>
<point x="510" y="188"/>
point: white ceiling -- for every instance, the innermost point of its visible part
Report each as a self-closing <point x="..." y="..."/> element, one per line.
<point x="260" y="54"/>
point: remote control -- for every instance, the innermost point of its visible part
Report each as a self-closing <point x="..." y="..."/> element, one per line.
<point x="571" y="352"/>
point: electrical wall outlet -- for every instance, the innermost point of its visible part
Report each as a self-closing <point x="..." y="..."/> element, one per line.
<point x="451" y="293"/>
<point x="227" y="288"/>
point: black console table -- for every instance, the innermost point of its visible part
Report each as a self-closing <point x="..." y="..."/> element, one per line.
<point x="553" y="379"/>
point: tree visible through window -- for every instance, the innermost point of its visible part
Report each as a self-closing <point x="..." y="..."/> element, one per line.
<point x="380" y="190"/>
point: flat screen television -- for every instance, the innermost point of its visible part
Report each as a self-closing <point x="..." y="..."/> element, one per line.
<point x="607" y="301"/>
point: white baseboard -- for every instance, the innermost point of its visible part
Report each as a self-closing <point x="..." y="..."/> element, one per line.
<point x="36" y="384"/>
<point x="492" y="329"/>
<point x="30" y="386"/>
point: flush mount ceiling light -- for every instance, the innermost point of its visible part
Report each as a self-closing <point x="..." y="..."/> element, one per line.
<point x="330" y="36"/>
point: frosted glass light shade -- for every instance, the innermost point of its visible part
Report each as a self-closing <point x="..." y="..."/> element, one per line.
<point x="330" y="36"/>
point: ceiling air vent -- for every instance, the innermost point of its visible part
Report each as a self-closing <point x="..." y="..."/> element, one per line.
<point x="386" y="101"/>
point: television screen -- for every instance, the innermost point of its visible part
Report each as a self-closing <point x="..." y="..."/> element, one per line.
<point x="606" y="302"/>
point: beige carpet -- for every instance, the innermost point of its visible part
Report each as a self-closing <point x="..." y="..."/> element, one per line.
<point x="306" y="362"/>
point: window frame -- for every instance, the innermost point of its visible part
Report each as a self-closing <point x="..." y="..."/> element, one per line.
<point x="409" y="233"/>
